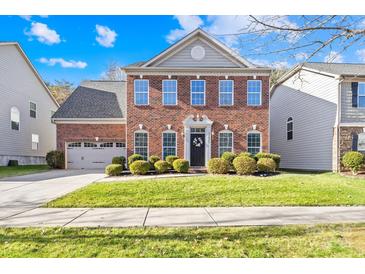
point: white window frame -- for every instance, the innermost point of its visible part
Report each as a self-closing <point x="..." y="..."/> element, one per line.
<point x="11" y="118"/>
<point x="358" y="94"/>
<point x="30" y="109"/>
<point x="248" y="92"/>
<point x="148" y="92"/>
<point x="358" y="142"/>
<point x="255" y="132"/>
<point x="35" y="140"/>
<point x="134" y="141"/>
<point x="219" y="140"/>
<point x="169" y="92"/>
<point x="191" y="92"/>
<point x="221" y="92"/>
<point x="292" y="128"/>
<point x="169" y="131"/>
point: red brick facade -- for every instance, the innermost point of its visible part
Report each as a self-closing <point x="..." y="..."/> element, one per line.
<point x="155" y="117"/>
<point x="88" y="132"/>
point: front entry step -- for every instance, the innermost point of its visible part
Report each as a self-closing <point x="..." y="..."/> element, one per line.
<point x="198" y="169"/>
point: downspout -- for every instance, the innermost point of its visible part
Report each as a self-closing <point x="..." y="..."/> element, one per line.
<point x="338" y="164"/>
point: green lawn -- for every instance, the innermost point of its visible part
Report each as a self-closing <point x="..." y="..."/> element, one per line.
<point x="8" y="171"/>
<point x="288" y="241"/>
<point x="284" y="189"/>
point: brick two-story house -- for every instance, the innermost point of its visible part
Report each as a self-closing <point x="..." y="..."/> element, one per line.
<point x="196" y="99"/>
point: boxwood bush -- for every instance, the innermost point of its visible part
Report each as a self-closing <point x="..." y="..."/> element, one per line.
<point x="246" y="154"/>
<point x="119" y="160"/>
<point x="244" y="165"/>
<point x="229" y="157"/>
<point x="162" y="166"/>
<point x="152" y="160"/>
<point x="266" y="165"/>
<point x="353" y="160"/>
<point x="134" y="157"/>
<point x="55" y="159"/>
<point x="113" y="169"/>
<point x="275" y="157"/>
<point x="181" y="165"/>
<point x="218" y="166"/>
<point x="170" y="159"/>
<point x="139" y="167"/>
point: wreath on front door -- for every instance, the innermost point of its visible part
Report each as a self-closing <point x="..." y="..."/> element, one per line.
<point x="197" y="142"/>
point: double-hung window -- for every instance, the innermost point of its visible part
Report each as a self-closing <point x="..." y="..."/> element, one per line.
<point x="254" y="89"/>
<point x="169" y="144"/>
<point x="141" y="144"/>
<point x="225" y="142"/>
<point x="14" y="118"/>
<point x="197" y="92"/>
<point x="35" y="141"/>
<point x="169" y="92"/>
<point x="254" y="142"/>
<point x="289" y="129"/>
<point x="33" y="110"/>
<point x="361" y="95"/>
<point x="141" y="90"/>
<point x="226" y="92"/>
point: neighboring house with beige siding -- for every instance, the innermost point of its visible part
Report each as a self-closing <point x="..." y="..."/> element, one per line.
<point x="26" y="107"/>
<point x="317" y="114"/>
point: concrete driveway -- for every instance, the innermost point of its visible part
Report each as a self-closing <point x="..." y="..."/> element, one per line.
<point x="23" y="193"/>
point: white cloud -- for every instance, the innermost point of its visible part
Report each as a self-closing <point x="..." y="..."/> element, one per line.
<point x="187" y="24"/>
<point x="43" y="33"/>
<point x="361" y="54"/>
<point x="333" y="57"/>
<point x="63" y="63"/>
<point x="275" y="65"/>
<point x="300" y="56"/>
<point x="106" y="37"/>
<point x="29" y="17"/>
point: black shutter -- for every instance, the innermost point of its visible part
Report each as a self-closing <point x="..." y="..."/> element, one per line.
<point x="354" y="141"/>
<point x="354" y="86"/>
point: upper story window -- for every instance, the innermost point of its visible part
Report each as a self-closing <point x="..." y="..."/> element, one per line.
<point x="254" y="142"/>
<point x="168" y="144"/>
<point x="254" y="88"/>
<point x="14" y="118"/>
<point x="197" y="92"/>
<point x="33" y="110"/>
<point x="141" y="90"/>
<point x="35" y="141"/>
<point x="361" y="95"/>
<point x="289" y="129"/>
<point x="226" y="92"/>
<point x="169" y="92"/>
<point x="225" y="142"/>
<point x="141" y="143"/>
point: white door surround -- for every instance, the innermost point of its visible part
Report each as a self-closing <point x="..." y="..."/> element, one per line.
<point x="197" y="122"/>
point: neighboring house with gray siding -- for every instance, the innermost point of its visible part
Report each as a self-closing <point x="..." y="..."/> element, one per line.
<point x="26" y="107"/>
<point x="317" y="114"/>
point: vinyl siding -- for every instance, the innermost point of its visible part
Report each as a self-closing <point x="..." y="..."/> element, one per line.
<point x="19" y="86"/>
<point x="312" y="103"/>
<point x="350" y="114"/>
<point x="183" y="57"/>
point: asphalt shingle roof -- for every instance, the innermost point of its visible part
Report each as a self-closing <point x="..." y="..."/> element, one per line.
<point x="95" y="99"/>
<point x="338" y="68"/>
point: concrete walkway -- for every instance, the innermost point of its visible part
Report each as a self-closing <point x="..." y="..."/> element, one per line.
<point x="184" y="217"/>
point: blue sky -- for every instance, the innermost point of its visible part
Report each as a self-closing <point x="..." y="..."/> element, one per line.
<point x="75" y="48"/>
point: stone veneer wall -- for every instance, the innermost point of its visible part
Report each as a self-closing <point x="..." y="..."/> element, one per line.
<point x="346" y="141"/>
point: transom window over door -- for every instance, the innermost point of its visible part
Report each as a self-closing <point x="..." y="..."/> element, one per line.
<point x="141" y="90"/>
<point x="225" y="142"/>
<point x="197" y="92"/>
<point x="226" y="92"/>
<point x="169" y="92"/>
<point x="254" y="89"/>
<point x="254" y="142"/>
<point x="14" y="118"/>
<point x="289" y="129"/>
<point x="361" y="94"/>
<point x="168" y="144"/>
<point x="141" y="144"/>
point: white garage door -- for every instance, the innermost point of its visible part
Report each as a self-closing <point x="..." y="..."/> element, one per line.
<point x="93" y="155"/>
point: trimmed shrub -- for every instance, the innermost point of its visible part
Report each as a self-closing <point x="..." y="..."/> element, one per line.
<point x="181" y="166"/>
<point x="218" y="166"/>
<point x="113" y="169"/>
<point x="244" y="165"/>
<point x="13" y="163"/>
<point x="353" y="160"/>
<point x="275" y="157"/>
<point x="133" y="158"/>
<point x="229" y="157"/>
<point x="152" y="160"/>
<point x="162" y="166"/>
<point x="139" y="167"/>
<point x="170" y="159"/>
<point x="119" y="160"/>
<point x="246" y="154"/>
<point x="55" y="159"/>
<point x="266" y="165"/>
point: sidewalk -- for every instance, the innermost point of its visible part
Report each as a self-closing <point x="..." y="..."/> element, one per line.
<point x="184" y="217"/>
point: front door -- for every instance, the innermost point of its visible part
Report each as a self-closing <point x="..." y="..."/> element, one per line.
<point x="197" y="149"/>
